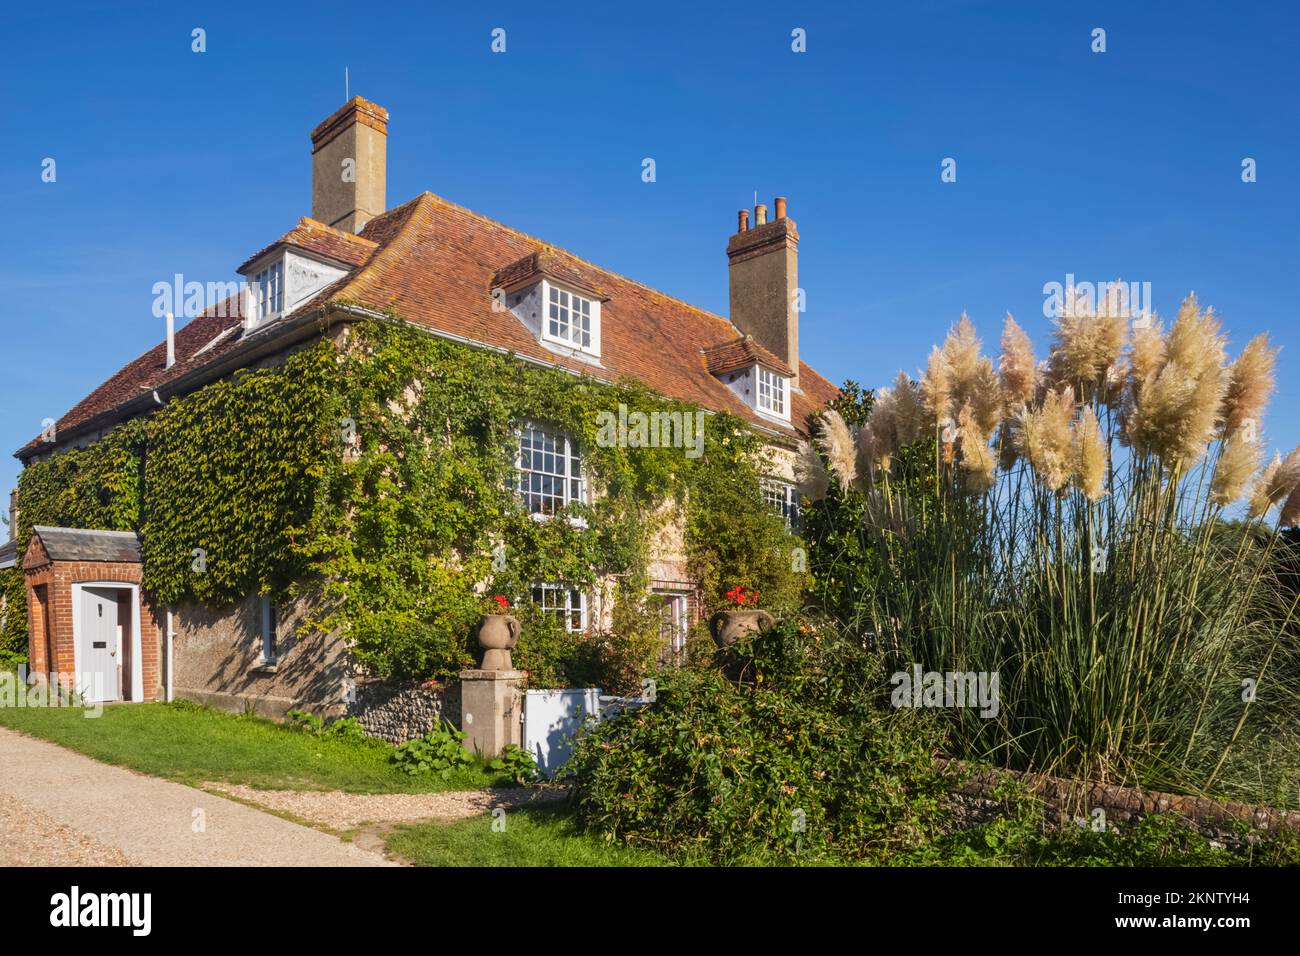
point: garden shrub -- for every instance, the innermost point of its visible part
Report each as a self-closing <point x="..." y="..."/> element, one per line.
<point x="440" y="751"/>
<point x="517" y="764"/>
<point x="798" y="760"/>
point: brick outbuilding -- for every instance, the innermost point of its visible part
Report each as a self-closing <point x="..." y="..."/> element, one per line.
<point x="88" y="619"/>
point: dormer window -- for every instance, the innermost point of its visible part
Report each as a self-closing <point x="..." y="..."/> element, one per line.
<point x="552" y="300"/>
<point x="267" y="292"/>
<point x="773" y="393"/>
<point x="756" y="376"/>
<point x="569" y="318"/>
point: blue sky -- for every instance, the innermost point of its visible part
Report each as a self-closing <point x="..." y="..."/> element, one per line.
<point x="1120" y="164"/>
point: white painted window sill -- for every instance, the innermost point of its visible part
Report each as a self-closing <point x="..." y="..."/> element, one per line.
<point x="575" y="521"/>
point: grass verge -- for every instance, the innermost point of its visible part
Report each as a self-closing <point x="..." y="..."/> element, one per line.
<point x="191" y="744"/>
<point x="532" y="836"/>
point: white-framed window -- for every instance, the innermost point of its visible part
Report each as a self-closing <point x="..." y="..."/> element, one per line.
<point x="548" y="469"/>
<point x="270" y="617"/>
<point x="568" y="605"/>
<point x="783" y="498"/>
<point x="267" y="292"/>
<point x="568" y="317"/>
<point x="773" y="393"/>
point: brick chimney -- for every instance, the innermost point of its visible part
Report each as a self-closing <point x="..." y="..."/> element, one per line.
<point x="764" y="267"/>
<point x="349" y="153"/>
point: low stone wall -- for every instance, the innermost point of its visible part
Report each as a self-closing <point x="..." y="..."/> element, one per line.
<point x="401" y="712"/>
<point x="1071" y="801"/>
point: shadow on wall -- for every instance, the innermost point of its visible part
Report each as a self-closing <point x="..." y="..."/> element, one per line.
<point x="220" y="659"/>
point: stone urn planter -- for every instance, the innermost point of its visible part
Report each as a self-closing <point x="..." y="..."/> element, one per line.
<point x="729" y="626"/>
<point x="497" y="635"/>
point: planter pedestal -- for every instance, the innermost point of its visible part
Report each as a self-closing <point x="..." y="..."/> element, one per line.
<point x="491" y="708"/>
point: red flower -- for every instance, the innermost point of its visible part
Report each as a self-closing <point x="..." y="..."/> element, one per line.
<point x="740" y="596"/>
<point x="501" y="601"/>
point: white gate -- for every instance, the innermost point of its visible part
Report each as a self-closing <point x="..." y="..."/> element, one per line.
<point x="552" y="718"/>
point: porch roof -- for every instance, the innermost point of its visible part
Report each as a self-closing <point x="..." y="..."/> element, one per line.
<point x="81" y="544"/>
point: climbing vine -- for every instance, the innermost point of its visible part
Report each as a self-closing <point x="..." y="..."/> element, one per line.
<point x="94" y="487"/>
<point x="373" y="477"/>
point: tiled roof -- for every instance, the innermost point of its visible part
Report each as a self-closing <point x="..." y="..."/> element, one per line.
<point x="321" y="239"/>
<point x="8" y="554"/>
<point x="543" y="262"/>
<point x="437" y="269"/>
<point x="435" y="264"/>
<point x="741" y="352"/>
<point x="79" y="544"/>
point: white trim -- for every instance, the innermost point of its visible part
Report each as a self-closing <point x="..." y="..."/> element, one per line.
<point x="594" y="305"/>
<point x="779" y="385"/>
<point x="567" y="447"/>
<point x="137" y="664"/>
<point x="564" y="610"/>
<point x="270" y="631"/>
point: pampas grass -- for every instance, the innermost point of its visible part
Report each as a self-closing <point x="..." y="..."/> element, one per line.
<point x="1236" y="463"/>
<point x="837" y="444"/>
<point x="1017" y="366"/>
<point x="1120" y="606"/>
<point x="1044" y="439"/>
<point x="810" y="474"/>
<point x="1090" y="455"/>
<point x="1250" y="386"/>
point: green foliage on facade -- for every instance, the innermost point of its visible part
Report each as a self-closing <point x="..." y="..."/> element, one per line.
<point x="94" y="487"/>
<point x="373" y="476"/>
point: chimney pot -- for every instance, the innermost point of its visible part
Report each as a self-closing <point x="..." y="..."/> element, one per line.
<point x="743" y="222"/>
<point x="780" y="207"/>
<point x="760" y="215"/>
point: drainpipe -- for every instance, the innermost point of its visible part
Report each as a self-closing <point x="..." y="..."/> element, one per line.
<point x="169" y="693"/>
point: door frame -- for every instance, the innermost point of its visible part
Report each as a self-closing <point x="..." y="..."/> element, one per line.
<point x="136" y="677"/>
<point x="683" y="623"/>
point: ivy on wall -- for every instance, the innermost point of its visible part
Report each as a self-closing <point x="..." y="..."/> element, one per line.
<point x="375" y="478"/>
<point x="94" y="487"/>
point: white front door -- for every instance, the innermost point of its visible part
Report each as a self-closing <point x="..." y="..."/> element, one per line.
<point x="98" y="644"/>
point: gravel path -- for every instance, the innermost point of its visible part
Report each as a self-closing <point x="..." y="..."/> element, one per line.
<point x="90" y="807"/>
<point x="345" y="811"/>
<point x="30" y="837"/>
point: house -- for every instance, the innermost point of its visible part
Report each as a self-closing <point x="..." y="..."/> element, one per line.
<point x="454" y="275"/>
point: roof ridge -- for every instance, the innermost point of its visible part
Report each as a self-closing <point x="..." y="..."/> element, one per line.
<point x="341" y="233"/>
<point x="384" y="254"/>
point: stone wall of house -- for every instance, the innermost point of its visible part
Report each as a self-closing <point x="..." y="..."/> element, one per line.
<point x="401" y="712"/>
<point x="218" y="661"/>
<point x="1074" y="802"/>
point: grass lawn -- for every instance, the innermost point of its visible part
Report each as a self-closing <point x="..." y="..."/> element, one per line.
<point x="533" y="836"/>
<point x="191" y="745"/>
